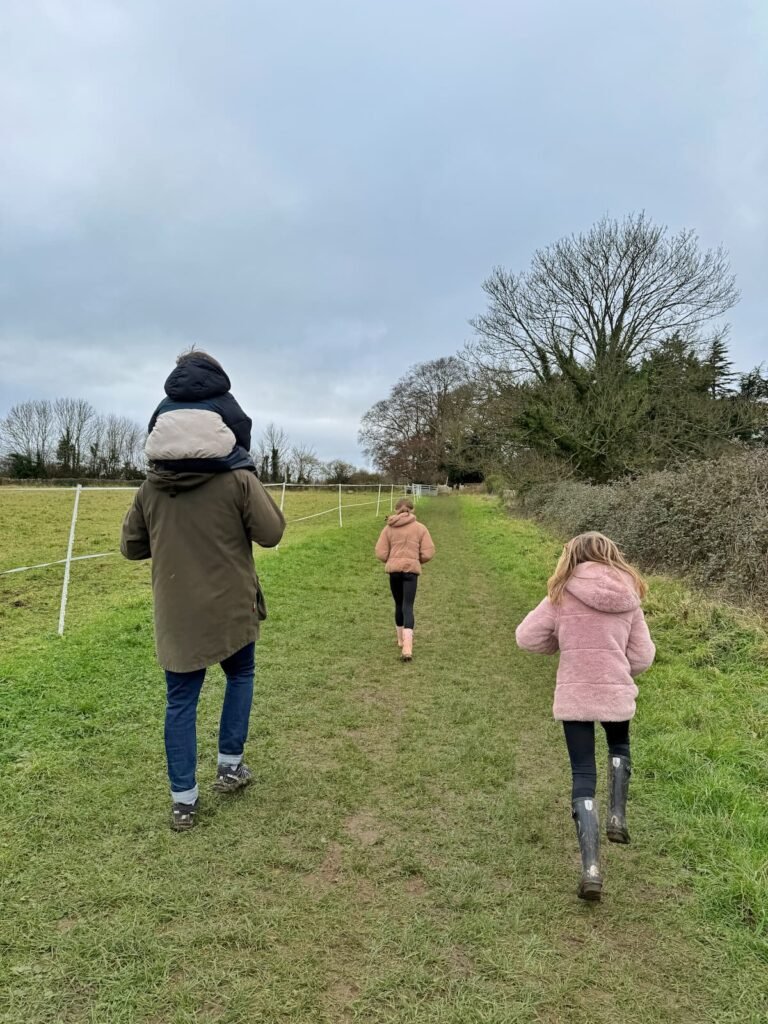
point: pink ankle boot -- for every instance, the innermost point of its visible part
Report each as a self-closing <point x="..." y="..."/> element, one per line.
<point x="407" y="645"/>
<point x="399" y="635"/>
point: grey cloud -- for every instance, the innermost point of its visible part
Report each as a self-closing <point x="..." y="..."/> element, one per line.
<point x="316" y="190"/>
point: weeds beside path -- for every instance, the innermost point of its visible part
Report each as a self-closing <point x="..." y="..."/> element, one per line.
<point x="406" y="854"/>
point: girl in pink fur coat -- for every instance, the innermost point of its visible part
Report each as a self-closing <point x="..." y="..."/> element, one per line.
<point x="592" y="617"/>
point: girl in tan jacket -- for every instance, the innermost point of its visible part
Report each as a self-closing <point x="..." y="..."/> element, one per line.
<point x="404" y="545"/>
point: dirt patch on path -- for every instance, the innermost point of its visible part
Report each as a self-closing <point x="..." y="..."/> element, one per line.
<point x="364" y="829"/>
<point x="329" y="871"/>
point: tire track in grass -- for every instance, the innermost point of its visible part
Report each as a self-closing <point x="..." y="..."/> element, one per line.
<point x="644" y="947"/>
<point x="462" y="906"/>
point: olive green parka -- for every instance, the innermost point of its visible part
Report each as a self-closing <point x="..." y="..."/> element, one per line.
<point x="198" y="529"/>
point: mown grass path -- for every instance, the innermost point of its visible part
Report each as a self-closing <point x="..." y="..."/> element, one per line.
<point x="406" y="853"/>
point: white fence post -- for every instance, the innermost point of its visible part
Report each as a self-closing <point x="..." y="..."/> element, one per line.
<point x="391" y="497"/>
<point x="68" y="563"/>
<point x="378" y="501"/>
<point x="341" y="523"/>
<point x="282" y="501"/>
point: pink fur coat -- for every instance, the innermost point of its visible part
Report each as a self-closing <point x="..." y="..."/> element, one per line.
<point x="600" y="631"/>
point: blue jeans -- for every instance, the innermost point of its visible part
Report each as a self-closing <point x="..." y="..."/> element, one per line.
<point x="181" y="717"/>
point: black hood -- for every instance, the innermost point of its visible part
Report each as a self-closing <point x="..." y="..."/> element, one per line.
<point x="167" y="480"/>
<point x="196" y="379"/>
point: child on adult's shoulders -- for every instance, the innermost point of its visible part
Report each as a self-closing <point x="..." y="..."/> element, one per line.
<point x="199" y="426"/>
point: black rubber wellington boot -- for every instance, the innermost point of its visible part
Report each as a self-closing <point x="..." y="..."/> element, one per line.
<point x="588" y="831"/>
<point x="619" y="772"/>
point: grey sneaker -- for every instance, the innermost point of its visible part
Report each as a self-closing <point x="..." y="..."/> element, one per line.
<point x="183" y="816"/>
<point x="229" y="780"/>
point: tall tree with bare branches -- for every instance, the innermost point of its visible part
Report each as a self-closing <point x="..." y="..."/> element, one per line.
<point x="271" y="454"/>
<point x="75" y="419"/>
<point x="426" y="429"/>
<point x="303" y="463"/>
<point x="566" y="352"/>
<point x="29" y="430"/>
<point x="601" y="299"/>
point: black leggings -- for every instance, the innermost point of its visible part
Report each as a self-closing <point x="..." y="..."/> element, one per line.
<point x="580" y="738"/>
<point x="403" y="587"/>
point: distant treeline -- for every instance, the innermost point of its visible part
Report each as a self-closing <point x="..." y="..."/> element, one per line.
<point x="67" y="437"/>
<point x="68" y="440"/>
<point x="277" y="459"/>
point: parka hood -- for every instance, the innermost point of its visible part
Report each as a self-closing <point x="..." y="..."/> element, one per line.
<point x="603" y="588"/>
<point x="195" y="379"/>
<point x="174" y="483"/>
<point x="402" y="518"/>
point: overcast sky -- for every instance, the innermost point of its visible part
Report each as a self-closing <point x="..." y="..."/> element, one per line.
<point x="314" y="190"/>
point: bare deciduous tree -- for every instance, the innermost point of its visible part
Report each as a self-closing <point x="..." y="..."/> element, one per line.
<point x="424" y="429"/>
<point x="271" y="453"/>
<point x="338" y="472"/>
<point x="75" y="419"/>
<point x="303" y="463"/>
<point x="29" y="430"/>
<point x="601" y="298"/>
<point x="117" y="447"/>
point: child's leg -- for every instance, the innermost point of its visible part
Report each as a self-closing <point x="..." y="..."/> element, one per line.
<point x="617" y="735"/>
<point x="619" y="773"/>
<point x="396" y="586"/>
<point x="410" y="581"/>
<point x="580" y="740"/>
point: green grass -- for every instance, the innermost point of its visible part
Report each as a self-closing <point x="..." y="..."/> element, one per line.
<point x="406" y="853"/>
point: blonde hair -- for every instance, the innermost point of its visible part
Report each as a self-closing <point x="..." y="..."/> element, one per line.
<point x="591" y="547"/>
<point x="404" y="503"/>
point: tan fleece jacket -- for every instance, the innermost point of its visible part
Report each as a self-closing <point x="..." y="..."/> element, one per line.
<point x="405" y="544"/>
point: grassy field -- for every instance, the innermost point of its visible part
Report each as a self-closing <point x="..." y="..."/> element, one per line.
<point x="34" y="529"/>
<point x="406" y="854"/>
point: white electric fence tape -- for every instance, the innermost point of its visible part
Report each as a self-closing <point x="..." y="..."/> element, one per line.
<point x="70" y="558"/>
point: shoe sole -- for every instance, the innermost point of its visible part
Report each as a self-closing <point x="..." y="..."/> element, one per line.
<point x="228" y="787"/>
<point x="186" y="826"/>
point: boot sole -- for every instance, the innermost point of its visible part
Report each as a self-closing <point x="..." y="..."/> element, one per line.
<point x="591" y="891"/>
<point x="622" y="838"/>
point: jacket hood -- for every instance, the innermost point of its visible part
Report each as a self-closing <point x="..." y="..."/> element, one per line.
<point x="402" y="518"/>
<point x="195" y="379"/>
<point x="174" y="483"/>
<point x="603" y="588"/>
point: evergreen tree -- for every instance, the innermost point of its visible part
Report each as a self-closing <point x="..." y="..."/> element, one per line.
<point x="720" y="368"/>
